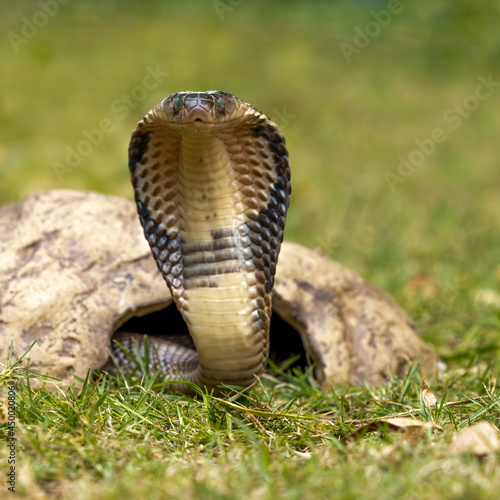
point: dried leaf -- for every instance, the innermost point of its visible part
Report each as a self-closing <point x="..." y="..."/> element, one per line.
<point x="480" y="439"/>
<point x="426" y="395"/>
<point x="422" y="284"/>
<point x="403" y="424"/>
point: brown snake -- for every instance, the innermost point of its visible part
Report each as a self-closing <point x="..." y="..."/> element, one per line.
<point x="212" y="182"/>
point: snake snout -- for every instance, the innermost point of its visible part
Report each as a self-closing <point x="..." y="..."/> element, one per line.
<point x="197" y="114"/>
<point x="198" y="108"/>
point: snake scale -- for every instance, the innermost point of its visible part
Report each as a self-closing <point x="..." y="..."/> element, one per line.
<point x="211" y="181"/>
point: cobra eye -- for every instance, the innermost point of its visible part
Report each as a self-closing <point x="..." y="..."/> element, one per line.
<point x="177" y="104"/>
<point x="219" y="103"/>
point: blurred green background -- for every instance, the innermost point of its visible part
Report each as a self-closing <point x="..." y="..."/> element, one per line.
<point x="352" y="88"/>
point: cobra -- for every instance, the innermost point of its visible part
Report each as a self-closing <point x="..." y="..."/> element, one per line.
<point x="211" y="181"/>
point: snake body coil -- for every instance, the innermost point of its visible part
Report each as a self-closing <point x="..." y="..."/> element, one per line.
<point x="212" y="182"/>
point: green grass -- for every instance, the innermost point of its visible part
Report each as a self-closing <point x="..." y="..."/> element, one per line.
<point x="346" y="124"/>
<point x="120" y="438"/>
